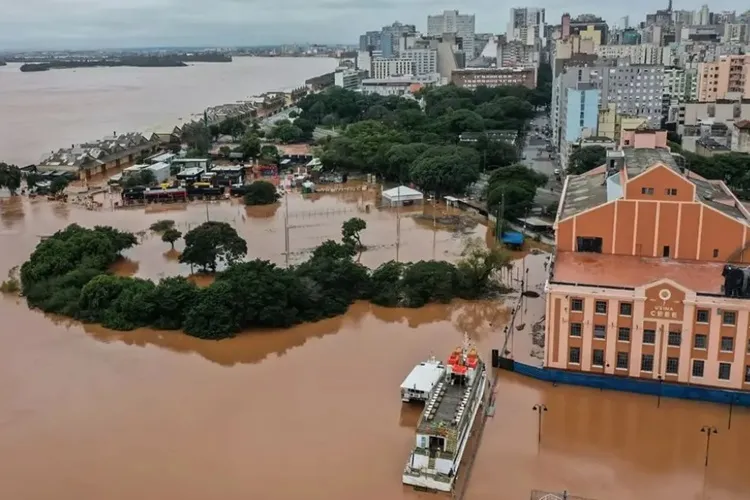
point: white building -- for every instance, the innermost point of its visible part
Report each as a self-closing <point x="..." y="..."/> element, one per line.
<point x="398" y="85"/>
<point x="425" y="60"/>
<point x="391" y="66"/>
<point x="450" y="21"/>
<point x="644" y="53"/>
<point x="526" y="25"/>
<point x="348" y="78"/>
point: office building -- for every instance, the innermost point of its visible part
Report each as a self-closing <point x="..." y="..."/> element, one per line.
<point x="726" y="78"/>
<point x="579" y="117"/>
<point x="369" y="41"/>
<point x="390" y="37"/>
<point x="636" y="90"/>
<point x="644" y="53"/>
<point x="425" y="59"/>
<point x="450" y="21"/>
<point x="526" y="25"/>
<point x="585" y="22"/>
<point x="702" y="16"/>
<point x="515" y="53"/>
<point x="639" y="286"/>
<point x="390" y="66"/>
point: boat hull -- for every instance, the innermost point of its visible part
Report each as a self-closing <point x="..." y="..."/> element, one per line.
<point x="426" y="480"/>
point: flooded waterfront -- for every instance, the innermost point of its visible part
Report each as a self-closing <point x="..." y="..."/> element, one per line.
<point x="48" y="110"/>
<point x="312" y="411"/>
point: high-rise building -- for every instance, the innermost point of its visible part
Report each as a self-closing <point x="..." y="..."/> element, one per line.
<point x="726" y="78"/>
<point x="425" y="59"/>
<point x="450" y="21"/>
<point x="390" y="37"/>
<point x="369" y="41"/>
<point x="703" y="16"/>
<point x="526" y="25"/>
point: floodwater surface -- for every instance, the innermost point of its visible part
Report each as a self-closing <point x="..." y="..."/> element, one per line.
<point x="312" y="411"/>
<point x="44" y="111"/>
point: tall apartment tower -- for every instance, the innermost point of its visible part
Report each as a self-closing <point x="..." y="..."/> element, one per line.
<point x="526" y="25"/>
<point x="450" y="21"/>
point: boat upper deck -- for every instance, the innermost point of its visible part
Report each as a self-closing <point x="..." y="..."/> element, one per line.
<point x="445" y="409"/>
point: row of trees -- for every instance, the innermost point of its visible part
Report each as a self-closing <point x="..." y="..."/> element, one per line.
<point x="68" y="274"/>
<point x="398" y="140"/>
<point x="732" y="168"/>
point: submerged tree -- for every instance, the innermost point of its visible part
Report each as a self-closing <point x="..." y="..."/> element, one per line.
<point x="261" y="193"/>
<point x="170" y="236"/>
<point x="212" y="243"/>
<point x="10" y="177"/>
<point x="351" y="230"/>
<point x="162" y="225"/>
<point x="58" y="185"/>
<point x="478" y="264"/>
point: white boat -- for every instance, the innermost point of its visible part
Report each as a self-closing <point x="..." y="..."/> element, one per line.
<point x="420" y="384"/>
<point x="447" y="420"/>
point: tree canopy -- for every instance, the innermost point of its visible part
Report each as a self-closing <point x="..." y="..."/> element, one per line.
<point x="68" y="274"/>
<point x="512" y="190"/>
<point x="732" y="168"/>
<point x="10" y="177"/>
<point x="261" y="193"/>
<point x="213" y="243"/>
<point x="399" y="141"/>
<point x="584" y="159"/>
<point x="170" y="236"/>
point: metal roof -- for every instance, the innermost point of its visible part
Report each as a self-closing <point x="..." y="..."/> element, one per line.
<point x="424" y="377"/>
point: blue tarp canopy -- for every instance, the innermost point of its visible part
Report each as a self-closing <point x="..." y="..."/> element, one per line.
<point x="512" y="238"/>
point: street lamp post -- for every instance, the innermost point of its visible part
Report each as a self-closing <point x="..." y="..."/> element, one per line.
<point x="539" y="409"/>
<point x="708" y="430"/>
<point x="731" y="407"/>
<point x="658" y="397"/>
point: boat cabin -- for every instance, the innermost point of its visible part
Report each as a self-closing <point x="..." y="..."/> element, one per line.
<point x="421" y="382"/>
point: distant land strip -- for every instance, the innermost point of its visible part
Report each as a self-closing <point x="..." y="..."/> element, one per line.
<point x="171" y="61"/>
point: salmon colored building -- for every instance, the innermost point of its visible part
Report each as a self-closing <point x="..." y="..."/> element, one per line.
<point x="637" y="286"/>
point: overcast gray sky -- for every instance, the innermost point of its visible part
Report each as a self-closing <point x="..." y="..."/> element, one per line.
<point x="50" y="24"/>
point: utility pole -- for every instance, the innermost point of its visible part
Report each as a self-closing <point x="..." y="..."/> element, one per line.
<point x="434" y="227"/>
<point x="286" y="229"/>
<point x="398" y="218"/>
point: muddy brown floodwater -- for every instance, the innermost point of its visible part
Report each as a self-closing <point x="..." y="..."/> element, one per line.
<point x="312" y="411"/>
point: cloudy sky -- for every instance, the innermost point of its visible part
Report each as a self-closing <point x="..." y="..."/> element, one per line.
<point x="50" y="24"/>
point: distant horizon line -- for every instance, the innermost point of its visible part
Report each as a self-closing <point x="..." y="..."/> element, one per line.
<point x="174" y="47"/>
